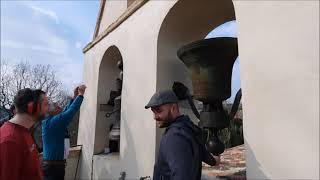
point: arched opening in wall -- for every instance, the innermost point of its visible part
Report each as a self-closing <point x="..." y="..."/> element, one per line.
<point x="107" y="135"/>
<point x="186" y="25"/>
<point x="233" y="135"/>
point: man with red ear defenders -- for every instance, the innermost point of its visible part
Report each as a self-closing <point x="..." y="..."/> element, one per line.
<point x="54" y="127"/>
<point x="19" y="157"/>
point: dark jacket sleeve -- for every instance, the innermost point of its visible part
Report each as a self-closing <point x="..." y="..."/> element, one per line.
<point x="207" y="157"/>
<point x="64" y="118"/>
<point x="179" y="157"/>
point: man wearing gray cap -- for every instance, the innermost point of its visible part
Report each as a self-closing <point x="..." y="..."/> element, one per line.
<point x="181" y="149"/>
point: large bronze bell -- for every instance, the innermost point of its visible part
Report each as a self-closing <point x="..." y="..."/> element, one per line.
<point x="210" y="62"/>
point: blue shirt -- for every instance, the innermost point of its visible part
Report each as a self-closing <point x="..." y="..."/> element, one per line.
<point x="54" y="128"/>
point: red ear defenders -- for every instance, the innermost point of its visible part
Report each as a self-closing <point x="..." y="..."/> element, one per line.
<point x="33" y="106"/>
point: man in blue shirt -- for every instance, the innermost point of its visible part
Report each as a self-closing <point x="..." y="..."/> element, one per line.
<point x="54" y="127"/>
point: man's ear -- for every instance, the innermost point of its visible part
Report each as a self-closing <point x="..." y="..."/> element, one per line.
<point x="177" y="108"/>
<point x="30" y="108"/>
<point x="173" y="108"/>
<point x="33" y="107"/>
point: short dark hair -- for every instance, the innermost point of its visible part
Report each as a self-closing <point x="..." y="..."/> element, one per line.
<point x="12" y="108"/>
<point x="12" y="111"/>
<point x="24" y="96"/>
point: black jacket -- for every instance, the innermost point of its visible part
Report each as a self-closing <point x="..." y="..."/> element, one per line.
<point x="181" y="152"/>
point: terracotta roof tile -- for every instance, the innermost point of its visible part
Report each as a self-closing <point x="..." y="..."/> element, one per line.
<point x="232" y="166"/>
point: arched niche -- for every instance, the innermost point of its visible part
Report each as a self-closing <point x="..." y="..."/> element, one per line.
<point x="109" y="72"/>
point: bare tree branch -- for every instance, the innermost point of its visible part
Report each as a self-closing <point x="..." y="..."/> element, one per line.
<point x="23" y="75"/>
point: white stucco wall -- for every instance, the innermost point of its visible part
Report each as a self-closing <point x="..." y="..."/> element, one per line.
<point x="136" y="39"/>
<point x="279" y="67"/>
<point x="112" y="10"/>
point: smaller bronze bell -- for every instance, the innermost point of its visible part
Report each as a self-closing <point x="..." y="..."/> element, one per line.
<point x="215" y="146"/>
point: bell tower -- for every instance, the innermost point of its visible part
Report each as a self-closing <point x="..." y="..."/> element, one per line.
<point x="109" y="12"/>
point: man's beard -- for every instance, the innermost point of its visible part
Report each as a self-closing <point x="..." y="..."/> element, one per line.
<point x="164" y="124"/>
<point x="167" y="121"/>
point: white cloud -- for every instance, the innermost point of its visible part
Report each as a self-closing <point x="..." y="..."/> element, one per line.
<point x="70" y="73"/>
<point x="11" y="44"/>
<point x="49" y="13"/>
<point x="37" y="32"/>
<point x="44" y="49"/>
<point x="39" y="44"/>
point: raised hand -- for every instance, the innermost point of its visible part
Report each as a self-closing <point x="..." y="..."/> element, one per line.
<point x="81" y="89"/>
<point x="76" y="92"/>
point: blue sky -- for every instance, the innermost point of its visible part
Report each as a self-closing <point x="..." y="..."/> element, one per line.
<point x="48" y="32"/>
<point x="54" y="32"/>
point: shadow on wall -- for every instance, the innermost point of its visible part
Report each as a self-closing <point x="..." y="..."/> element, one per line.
<point x="127" y="155"/>
<point x="254" y="170"/>
<point x="82" y="165"/>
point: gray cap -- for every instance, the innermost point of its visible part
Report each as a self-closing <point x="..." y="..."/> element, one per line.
<point x="162" y="97"/>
